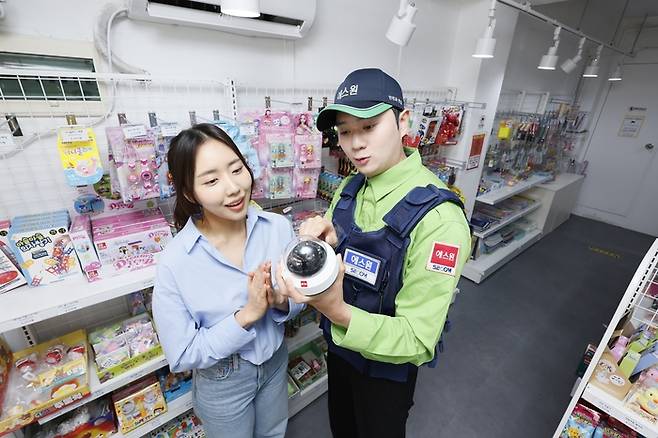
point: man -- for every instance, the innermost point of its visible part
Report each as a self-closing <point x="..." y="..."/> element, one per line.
<point x="404" y="240"/>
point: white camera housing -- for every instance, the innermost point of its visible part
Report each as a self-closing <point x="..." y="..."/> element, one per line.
<point x="310" y="264"/>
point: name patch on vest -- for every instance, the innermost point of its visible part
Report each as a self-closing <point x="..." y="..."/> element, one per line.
<point x="443" y="258"/>
<point x="361" y="266"/>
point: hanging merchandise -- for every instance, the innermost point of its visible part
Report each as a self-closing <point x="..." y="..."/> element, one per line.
<point x="451" y="125"/>
<point x="241" y="135"/>
<point x="280" y="183"/>
<point x="133" y="157"/>
<point x="79" y="155"/>
<point x="164" y="133"/>
<point x="280" y="148"/>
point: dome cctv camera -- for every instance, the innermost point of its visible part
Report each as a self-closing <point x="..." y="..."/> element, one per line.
<point x="310" y="264"/>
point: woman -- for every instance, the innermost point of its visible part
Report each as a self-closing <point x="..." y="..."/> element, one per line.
<point x="213" y="302"/>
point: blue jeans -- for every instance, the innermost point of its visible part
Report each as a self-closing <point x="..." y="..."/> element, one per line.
<point x="243" y="401"/>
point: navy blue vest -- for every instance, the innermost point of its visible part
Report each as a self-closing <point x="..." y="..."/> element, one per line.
<point x="374" y="263"/>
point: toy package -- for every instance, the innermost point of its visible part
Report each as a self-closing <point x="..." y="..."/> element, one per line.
<point x="582" y="423"/>
<point x="135" y="163"/>
<point x="328" y="183"/>
<point x="187" y="425"/>
<point x="79" y="155"/>
<point x="609" y="378"/>
<point x="11" y="276"/>
<point x="279" y="150"/>
<point x="130" y="241"/>
<point x="613" y="428"/>
<point x="174" y="385"/>
<point x="280" y="183"/>
<point x="139" y="403"/>
<point x="5" y="364"/>
<point x="123" y="345"/>
<point x="304" y="123"/>
<point x="308" y="151"/>
<point x="163" y="135"/>
<point x="306" y="183"/>
<point x="642" y="397"/>
<point x="450" y="126"/>
<point x="92" y="420"/>
<point x="44" y="379"/>
<point x="80" y="233"/>
<point x="306" y="365"/>
<point x="43" y="247"/>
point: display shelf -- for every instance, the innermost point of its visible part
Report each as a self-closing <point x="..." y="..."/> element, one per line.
<point x="616" y="408"/>
<point x="485" y="265"/>
<point x="507" y="221"/>
<point x="495" y="196"/>
<point x="99" y="389"/>
<point x="305" y="334"/>
<point x="177" y="407"/>
<point x="27" y="305"/>
<point x="307" y="395"/>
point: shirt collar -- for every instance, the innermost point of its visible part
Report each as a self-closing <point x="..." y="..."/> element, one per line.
<point x="190" y="234"/>
<point x="391" y="179"/>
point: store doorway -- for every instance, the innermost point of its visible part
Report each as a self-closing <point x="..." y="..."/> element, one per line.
<point x="622" y="177"/>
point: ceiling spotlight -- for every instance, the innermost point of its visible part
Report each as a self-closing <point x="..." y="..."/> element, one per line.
<point x="402" y="27"/>
<point x="241" y="8"/>
<point x="549" y="60"/>
<point x="616" y="75"/>
<point x="592" y="70"/>
<point x="570" y="64"/>
<point x="487" y="43"/>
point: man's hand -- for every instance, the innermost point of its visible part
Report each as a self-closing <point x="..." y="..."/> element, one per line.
<point x="330" y="302"/>
<point x="320" y="228"/>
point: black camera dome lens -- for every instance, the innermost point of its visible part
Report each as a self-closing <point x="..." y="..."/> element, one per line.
<point x="306" y="258"/>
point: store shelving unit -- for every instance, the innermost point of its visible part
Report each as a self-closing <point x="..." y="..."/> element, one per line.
<point x="508" y="220"/>
<point x="646" y="273"/>
<point x="99" y="389"/>
<point x="174" y="409"/>
<point x="305" y="335"/>
<point x="24" y="306"/>
<point x="493" y="197"/>
<point x="478" y="270"/>
<point x="307" y="395"/>
<point x="615" y="408"/>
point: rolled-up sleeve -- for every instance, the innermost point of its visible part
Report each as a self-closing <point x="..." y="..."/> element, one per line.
<point x="185" y="343"/>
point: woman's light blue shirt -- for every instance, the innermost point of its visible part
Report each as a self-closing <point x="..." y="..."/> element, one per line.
<point x="197" y="292"/>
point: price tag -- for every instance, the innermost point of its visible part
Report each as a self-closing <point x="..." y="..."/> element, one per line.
<point x="6" y="139"/>
<point x="73" y="135"/>
<point x="26" y="319"/>
<point x="68" y="307"/>
<point x="169" y="129"/>
<point x="134" y="131"/>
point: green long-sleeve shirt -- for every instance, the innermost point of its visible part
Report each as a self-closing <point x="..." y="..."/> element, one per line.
<point x="422" y="304"/>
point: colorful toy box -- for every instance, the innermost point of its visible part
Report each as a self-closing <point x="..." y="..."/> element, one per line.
<point x="80" y="233"/>
<point x="44" y="379"/>
<point x="43" y="247"/>
<point x="306" y="365"/>
<point x="174" y="385"/>
<point x="92" y="420"/>
<point x="124" y="345"/>
<point x="139" y="403"/>
<point x="187" y="425"/>
<point x="11" y="276"/>
<point x="130" y="241"/>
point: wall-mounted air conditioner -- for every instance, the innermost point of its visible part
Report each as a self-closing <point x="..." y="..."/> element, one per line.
<point x="289" y="19"/>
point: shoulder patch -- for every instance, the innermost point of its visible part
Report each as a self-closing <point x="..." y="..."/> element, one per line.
<point x="443" y="258"/>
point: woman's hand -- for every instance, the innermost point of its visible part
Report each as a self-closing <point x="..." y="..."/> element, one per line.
<point x="257" y="303"/>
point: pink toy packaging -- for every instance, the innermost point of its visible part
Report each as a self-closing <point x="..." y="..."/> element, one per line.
<point x="308" y="151"/>
<point x="281" y="183"/>
<point x="80" y="233"/>
<point x="280" y="148"/>
<point x="135" y="162"/>
<point x="304" y="123"/>
<point x="306" y="183"/>
<point x="127" y="243"/>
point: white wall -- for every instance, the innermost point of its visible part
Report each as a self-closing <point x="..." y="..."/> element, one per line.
<point x="346" y="35"/>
